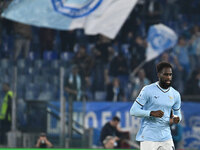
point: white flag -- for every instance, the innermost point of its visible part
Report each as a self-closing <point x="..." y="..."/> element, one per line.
<point x="94" y="16"/>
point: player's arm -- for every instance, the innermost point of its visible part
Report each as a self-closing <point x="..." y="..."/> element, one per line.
<point x="137" y="107"/>
<point x="177" y="110"/>
<point x="137" y="110"/>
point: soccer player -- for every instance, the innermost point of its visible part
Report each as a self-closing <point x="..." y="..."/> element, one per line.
<point x="154" y="105"/>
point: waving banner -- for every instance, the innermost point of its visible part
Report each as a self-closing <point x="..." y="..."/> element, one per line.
<point x="94" y="16"/>
<point x="160" y="38"/>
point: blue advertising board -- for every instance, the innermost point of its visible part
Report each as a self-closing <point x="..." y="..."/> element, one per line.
<point x="98" y="113"/>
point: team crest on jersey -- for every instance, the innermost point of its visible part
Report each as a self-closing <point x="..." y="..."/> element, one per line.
<point x="76" y="8"/>
<point x="170" y="97"/>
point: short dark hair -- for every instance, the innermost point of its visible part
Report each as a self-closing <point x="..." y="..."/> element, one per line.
<point x="42" y="134"/>
<point x="115" y="118"/>
<point x="162" y="65"/>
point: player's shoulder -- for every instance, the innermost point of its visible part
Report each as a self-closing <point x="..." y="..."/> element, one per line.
<point x="149" y="86"/>
<point x="175" y="91"/>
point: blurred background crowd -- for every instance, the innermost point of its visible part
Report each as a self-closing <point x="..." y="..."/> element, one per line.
<point x="97" y="68"/>
<point x="104" y="63"/>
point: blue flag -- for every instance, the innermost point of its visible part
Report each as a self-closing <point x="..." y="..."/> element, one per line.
<point x="160" y="38"/>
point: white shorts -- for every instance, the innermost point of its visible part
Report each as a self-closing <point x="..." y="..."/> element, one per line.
<point x="150" y="145"/>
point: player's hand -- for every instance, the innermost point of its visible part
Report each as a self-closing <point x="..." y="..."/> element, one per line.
<point x="157" y="113"/>
<point x="176" y="119"/>
<point x="116" y="138"/>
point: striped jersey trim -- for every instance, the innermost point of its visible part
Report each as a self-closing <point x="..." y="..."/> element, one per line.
<point x="139" y="103"/>
<point x="176" y="109"/>
<point x="163" y="90"/>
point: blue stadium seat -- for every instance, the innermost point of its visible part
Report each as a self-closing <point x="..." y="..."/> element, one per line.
<point x="21" y="63"/>
<point x="100" y="96"/>
<point x="33" y="55"/>
<point x="55" y="64"/>
<point x="20" y="91"/>
<point x="22" y="66"/>
<point x="38" y="67"/>
<point x="5" y="63"/>
<point x="46" y="96"/>
<point x="41" y="80"/>
<point x="23" y="79"/>
<point x="6" y="78"/>
<point x="29" y="95"/>
<point x="55" y="81"/>
<point x="66" y="56"/>
<point x="50" y="55"/>
<point x="32" y="91"/>
<point x="38" y="63"/>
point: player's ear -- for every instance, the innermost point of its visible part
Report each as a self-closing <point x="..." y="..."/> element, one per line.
<point x="158" y="75"/>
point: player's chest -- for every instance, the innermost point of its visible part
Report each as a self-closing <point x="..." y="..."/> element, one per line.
<point x="162" y="99"/>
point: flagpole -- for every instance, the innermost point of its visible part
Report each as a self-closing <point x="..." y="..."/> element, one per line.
<point x="138" y="68"/>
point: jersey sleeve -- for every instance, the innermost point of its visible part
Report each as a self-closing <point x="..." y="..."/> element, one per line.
<point x="177" y="106"/>
<point x="137" y="107"/>
<point x="142" y="97"/>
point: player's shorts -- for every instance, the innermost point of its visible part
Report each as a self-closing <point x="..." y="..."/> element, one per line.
<point x="150" y="145"/>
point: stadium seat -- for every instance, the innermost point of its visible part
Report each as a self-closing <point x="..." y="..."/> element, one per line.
<point x="22" y="66"/>
<point x="5" y="78"/>
<point x="32" y="91"/>
<point x="33" y="55"/>
<point x="100" y="96"/>
<point x="54" y="80"/>
<point x="45" y="96"/>
<point x="40" y="79"/>
<point x="5" y="63"/>
<point x="38" y="63"/>
<point x="30" y="95"/>
<point x="50" y="55"/>
<point x="66" y="56"/>
<point x="55" y="64"/>
<point x="21" y="63"/>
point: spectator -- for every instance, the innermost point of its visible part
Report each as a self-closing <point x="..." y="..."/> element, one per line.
<point x="181" y="55"/>
<point x="192" y="85"/>
<point x="23" y="36"/>
<point x="102" y="50"/>
<point x="5" y="113"/>
<point x="195" y="47"/>
<point x="115" y="92"/>
<point x="84" y="62"/>
<point x="43" y="142"/>
<point x="138" y="82"/>
<point x="67" y="39"/>
<point x="110" y="134"/>
<point x="119" y="68"/>
<point x="101" y="53"/>
<point x="153" y="12"/>
<point x="73" y="85"/>
<point x="137" y="50"/>
<point x="46" y="37"/>
<point x="171" y="10"/>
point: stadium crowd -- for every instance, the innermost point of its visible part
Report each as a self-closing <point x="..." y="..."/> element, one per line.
<point x="106" y="67"/>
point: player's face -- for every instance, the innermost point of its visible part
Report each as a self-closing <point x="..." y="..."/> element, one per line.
<point x="165" y="78"/>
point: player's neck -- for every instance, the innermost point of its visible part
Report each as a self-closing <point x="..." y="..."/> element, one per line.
<point x="162" y="87"/>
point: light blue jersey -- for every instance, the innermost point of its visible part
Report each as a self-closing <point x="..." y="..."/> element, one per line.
<point x="152" y="98"/>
